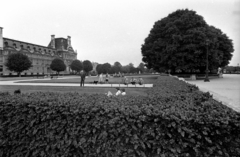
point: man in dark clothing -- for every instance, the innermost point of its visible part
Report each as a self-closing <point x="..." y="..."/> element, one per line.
<point x="82" y="75"/>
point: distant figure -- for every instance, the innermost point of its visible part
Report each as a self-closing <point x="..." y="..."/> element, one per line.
<point x="100" y="80"/>
<point x="123" y="92"/>
<point x="118" y="91"/>
<point x="109" y="93"/>
<point x="18" y="91"/>
<point x="106" y="79"/>
<point x="125" y="80"/>
<point x="133" y="81"/>
<point x="140" y="81"/>
<point x="95" y="82"/>
<point x="220" y="72"/>
<point x="82" y="75"/>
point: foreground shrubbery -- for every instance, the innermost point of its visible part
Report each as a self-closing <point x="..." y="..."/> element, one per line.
<point x="175" y="119"/>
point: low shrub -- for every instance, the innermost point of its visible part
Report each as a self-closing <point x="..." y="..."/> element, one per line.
<point x="175" y="119"/>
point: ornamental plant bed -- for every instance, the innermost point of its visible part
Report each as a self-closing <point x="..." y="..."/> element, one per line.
<point x="174" y="119"/>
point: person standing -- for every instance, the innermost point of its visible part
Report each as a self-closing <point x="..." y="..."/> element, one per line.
<point x="82" y="75"/>
<point x="100" y="78"/>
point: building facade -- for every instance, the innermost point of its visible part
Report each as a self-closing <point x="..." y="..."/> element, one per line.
<point x="41" y="56"/>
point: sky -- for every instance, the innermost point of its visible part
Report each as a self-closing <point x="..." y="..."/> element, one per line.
<point x="106" y="31"/>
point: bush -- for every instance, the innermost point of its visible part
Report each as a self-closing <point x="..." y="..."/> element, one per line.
<point x="175" y="119"/>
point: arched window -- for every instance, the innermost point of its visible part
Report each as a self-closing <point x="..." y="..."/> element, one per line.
<point x="14" y="45"/>
<point x="6" y="44"/>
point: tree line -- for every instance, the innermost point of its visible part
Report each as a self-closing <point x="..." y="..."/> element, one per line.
<point x="19" y="62"/>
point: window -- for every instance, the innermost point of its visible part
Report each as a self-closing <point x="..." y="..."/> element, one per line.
<point x="6" y="44"/>
<point x="21" y="46"/>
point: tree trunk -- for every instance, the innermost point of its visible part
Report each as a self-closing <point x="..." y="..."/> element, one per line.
<point x="19" y="74"/>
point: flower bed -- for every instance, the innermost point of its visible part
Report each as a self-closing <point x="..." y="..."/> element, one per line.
<point x="175" y="119"/>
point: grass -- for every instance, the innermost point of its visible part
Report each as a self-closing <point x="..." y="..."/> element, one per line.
<point x="74" y="79"/>
<point x="82" y="90"/>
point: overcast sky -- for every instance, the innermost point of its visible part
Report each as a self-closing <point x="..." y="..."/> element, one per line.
<point x="109" y="30"/>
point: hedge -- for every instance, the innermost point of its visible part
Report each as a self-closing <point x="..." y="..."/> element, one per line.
<point x="175" y="119"/>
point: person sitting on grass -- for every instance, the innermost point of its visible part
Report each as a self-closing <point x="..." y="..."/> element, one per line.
<point x="123" y="91"/>
<point x="95" y="82"/>
<point x="109" y="93"/>
<point x="140" y="81"/>
<point x="118" y="91"/>
<point x="125" y="80"/>
<point x="133" y="81"/>
<point x="106" y="79"/>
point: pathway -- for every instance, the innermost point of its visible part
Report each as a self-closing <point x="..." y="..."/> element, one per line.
<point x="226" y="89"/>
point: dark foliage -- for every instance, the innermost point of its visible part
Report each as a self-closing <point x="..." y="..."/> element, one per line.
<point x="87" y="66"/>
<point x="58" y="65"/>
<point x="18" y="91"/>
<point x="76" y="65"/>
<point x="106" y="67"/>
<point x="18" y="62"/>
<point x="175" y="119"/>
<point x="179" y="42"/>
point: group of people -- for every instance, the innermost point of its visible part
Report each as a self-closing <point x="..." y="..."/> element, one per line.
<point x="133" y="81"/>
<point x="119" y="92"/>
<point x="125" y="80"/>
<point x="102" y="80"/>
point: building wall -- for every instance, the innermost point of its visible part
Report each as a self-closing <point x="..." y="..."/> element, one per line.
<point x="40" y="56"/>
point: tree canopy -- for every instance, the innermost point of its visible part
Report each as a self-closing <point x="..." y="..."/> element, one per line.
<point x="76" y="65"/>
<point x="58" y="65"/>
<point x="18" y="62"/>
<point x="179" y="42"/>
<point x="99" y="69"/>
<point x="116" y="68"/>
<point x="106" y="67"/>
<point x="87" y="66"/>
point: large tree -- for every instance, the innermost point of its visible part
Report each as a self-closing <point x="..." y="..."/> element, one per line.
<point x="87" y="66"/>
<point x="179" y="42"/>
<point x="58" y="65"/>
<point x="18" y="62"/>
<point x="76" y="65"/>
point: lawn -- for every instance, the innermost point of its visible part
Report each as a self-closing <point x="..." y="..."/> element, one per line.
<point x="76" y="79"/>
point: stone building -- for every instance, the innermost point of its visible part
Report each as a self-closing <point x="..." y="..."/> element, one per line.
<point x="41" y="56"/>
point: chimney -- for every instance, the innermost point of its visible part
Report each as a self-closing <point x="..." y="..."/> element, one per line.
<point x="1" y="39"/>
<point x="53" y="41"/>
<point x="69" y="41"/>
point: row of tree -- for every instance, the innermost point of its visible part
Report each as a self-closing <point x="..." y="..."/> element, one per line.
<point x="19" y="62"/>
<point x="107" y="68"/>
<point x="118" y="68"/>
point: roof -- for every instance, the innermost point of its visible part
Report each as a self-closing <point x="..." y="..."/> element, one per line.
<point x="61" y="44"/>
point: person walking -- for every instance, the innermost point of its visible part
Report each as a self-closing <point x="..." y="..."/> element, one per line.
<point x="82" y="75"/>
